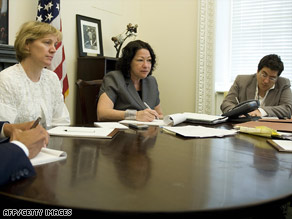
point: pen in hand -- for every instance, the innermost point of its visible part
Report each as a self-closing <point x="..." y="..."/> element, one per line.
<point x="36" y="123"/>
<point x="147" y="105"/>
<point x="237" y="100"/>
<point x="149" y="108"/>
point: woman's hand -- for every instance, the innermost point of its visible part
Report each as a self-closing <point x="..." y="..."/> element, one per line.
<point x="147" y="115"/>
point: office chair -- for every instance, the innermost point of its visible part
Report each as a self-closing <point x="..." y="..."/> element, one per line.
<point x="88" y="93"/>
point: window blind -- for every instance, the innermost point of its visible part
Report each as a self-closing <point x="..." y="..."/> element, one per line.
<point x="259" y="28"/>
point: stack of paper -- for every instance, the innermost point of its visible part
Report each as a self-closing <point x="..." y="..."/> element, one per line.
<point x="199" y="131"/>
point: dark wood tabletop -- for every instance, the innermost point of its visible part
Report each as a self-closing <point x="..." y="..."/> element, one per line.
<point x="154" y="172"/>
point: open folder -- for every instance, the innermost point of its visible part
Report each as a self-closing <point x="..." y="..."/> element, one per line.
<point x="83" y="132"/>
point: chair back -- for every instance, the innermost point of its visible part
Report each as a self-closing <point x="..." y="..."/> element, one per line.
<point x="88" y="97"/>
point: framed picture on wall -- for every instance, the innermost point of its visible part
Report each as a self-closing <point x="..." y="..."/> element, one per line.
<point x="4" y="22"/>
<point x="89" y="36"/>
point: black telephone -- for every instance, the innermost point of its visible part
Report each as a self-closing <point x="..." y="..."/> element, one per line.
<point x="243" y="109"/>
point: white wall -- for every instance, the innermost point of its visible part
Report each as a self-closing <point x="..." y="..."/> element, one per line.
<point x="168" y="25"/>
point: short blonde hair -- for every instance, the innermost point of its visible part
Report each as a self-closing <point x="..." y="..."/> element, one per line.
<point x="30" y="31"/>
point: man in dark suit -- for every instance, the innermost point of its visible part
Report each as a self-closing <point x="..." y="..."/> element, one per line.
<point x="19" y="143"/>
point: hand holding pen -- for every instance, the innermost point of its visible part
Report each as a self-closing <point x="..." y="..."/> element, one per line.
<point x="8" y="128"/>
<point x="154" y="112"/>
<point x="33" y="138"/>
<point x="36" y="122"/>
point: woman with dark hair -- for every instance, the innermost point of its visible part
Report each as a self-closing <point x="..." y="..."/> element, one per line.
<point x="131" y="92"/>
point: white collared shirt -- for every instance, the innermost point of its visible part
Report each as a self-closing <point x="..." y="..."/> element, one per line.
<point x="262" y="99"/>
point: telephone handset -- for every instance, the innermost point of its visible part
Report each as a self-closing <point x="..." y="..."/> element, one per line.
<point x="243" y="109"/>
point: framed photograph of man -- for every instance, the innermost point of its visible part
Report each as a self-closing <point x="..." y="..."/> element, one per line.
<point x="4" y="22"/>
<point x="89" y="36"/>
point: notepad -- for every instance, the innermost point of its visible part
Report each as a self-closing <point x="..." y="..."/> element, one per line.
<point x="83" y="132"/>
<point x="48" y="155"/>
<point x="281" y="145"/>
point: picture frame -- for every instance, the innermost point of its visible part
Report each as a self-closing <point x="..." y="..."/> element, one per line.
<point x="4" y="22"/>
<point x="89" y="36"/>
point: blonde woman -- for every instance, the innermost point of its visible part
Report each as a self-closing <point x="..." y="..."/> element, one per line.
<point x="28" y="90"/>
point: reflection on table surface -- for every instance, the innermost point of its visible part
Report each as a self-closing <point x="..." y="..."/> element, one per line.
<point x="151" y="171"/>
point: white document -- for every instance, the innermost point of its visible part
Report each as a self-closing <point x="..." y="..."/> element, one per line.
<point x="193" y="118"/>
<point x="174" y="119"/>
<point x="155" y="122"/>
<point x="199" y="131"/>
<point x="48" y="155"/>
<point x="205" y="118"/>
<point x="83" y="132"/>
<point x="115" y="125"/>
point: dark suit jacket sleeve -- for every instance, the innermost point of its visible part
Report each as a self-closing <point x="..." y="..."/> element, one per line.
<point x="3" y="139"/>
<point x="14" y="164"/>
<point x="1" y="125"/>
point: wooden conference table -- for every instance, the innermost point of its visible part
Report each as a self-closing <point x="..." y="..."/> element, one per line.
<point x="154" y="172"/>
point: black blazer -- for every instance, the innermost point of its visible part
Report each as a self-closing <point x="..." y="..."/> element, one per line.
<point x="14" y="164"/>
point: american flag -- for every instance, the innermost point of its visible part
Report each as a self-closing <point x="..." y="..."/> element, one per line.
<point x="49" y="12"/>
